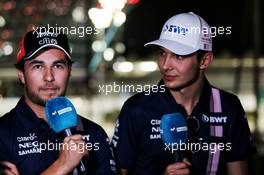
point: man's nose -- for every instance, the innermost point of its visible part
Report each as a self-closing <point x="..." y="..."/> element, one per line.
<point x="49" y="75"/>
<point x="167" y="63"/>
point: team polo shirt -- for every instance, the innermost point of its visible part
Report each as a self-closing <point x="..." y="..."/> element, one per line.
<point x="224" y="136"/>
<point x="22" y="133"/>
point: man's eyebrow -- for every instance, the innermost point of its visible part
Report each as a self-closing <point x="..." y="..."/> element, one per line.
<point x="60" y="61"/>
<point x="36" y="62"/>
<point x="42" y="62"/>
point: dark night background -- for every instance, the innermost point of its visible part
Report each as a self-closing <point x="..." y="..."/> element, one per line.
<point x="144" y="23"/>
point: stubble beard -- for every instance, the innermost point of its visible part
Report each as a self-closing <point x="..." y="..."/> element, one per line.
<point x="36" y="99"/>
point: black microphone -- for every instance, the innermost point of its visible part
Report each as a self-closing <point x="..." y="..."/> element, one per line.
<point x="62" y="118"/>
<point x="174" y="132"/>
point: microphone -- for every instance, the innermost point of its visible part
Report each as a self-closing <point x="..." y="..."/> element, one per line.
<point x="62" y="118"/>
<point x="174" y="131"/>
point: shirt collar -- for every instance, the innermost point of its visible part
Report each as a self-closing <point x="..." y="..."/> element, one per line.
<point x="205" y="97"/>
<point x="26" y="116"/>
<point x="170" y="99"/>
<point x="204" y="100"/>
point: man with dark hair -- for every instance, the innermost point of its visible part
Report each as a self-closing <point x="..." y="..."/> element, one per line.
<point x="28" y="145"/>
<point x="215" y="119"/>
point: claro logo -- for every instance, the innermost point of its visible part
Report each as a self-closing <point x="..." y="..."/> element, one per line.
<point x="214" y="119"/>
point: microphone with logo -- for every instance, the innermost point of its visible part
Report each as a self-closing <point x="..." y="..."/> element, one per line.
<point x="62" y="118"/>
<point x="174" y="132"/>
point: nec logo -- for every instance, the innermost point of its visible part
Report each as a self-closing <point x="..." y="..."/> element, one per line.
<point x="174" y="29"/>
<point x="213" y="119"/>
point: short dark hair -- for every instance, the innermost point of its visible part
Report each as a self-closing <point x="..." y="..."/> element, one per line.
<point x="200" y="54"/>
<point x="20" y="65"/>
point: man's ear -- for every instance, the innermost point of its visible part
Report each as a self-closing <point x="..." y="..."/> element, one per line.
<point x="206" y="60"/>
<point x="21" y="76"/>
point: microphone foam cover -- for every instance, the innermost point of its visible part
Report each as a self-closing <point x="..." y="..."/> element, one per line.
<point x="173" y="129"/>
<point x="61" y="114"/>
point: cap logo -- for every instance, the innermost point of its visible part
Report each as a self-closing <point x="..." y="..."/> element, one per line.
<point x="175" y="29"/>
<point x="48" y="41"/>
<point x="36" y="40"/>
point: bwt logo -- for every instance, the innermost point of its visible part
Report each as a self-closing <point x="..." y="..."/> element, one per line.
<point x="213" y="119"/>
<point x="175" y="29"/>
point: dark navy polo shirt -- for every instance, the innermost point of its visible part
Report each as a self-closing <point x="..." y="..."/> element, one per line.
<point x="22" y="133"/>
<point x="137" y="143"/>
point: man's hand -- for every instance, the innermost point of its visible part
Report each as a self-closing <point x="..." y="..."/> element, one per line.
<point x="72" y="151"/>
<point x="179" y="168"/>
<point x="10" y="169"/>
<point x="237" y="168"/>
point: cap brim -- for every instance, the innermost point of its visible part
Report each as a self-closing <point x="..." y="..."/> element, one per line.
<point x="173" y="46"/>
<point x="44" y="46"/>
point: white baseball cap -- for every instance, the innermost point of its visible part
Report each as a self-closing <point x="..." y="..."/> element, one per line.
<point x="184" y="34"/>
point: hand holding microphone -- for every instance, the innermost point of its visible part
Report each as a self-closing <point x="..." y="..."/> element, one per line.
<point x="174" y="132"/>
<point x="62" y="117"/>
<point x="72" y="153"/>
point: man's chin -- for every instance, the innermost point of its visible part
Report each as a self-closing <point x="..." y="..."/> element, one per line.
<point x="173" y="86"/>
<point x="42" y="100"/>
<point x="170" y="85"/>
<point x="50" y="96"/>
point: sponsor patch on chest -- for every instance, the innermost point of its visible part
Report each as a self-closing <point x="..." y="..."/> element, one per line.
<point x="155" y="129"/>
<point x="214" y="118"/>
<point x="28" y="144"/>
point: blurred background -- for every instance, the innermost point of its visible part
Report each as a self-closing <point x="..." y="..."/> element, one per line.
<point x="107" y="38"/>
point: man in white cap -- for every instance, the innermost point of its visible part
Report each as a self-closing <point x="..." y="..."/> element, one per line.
<point x="215" y="119"/>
